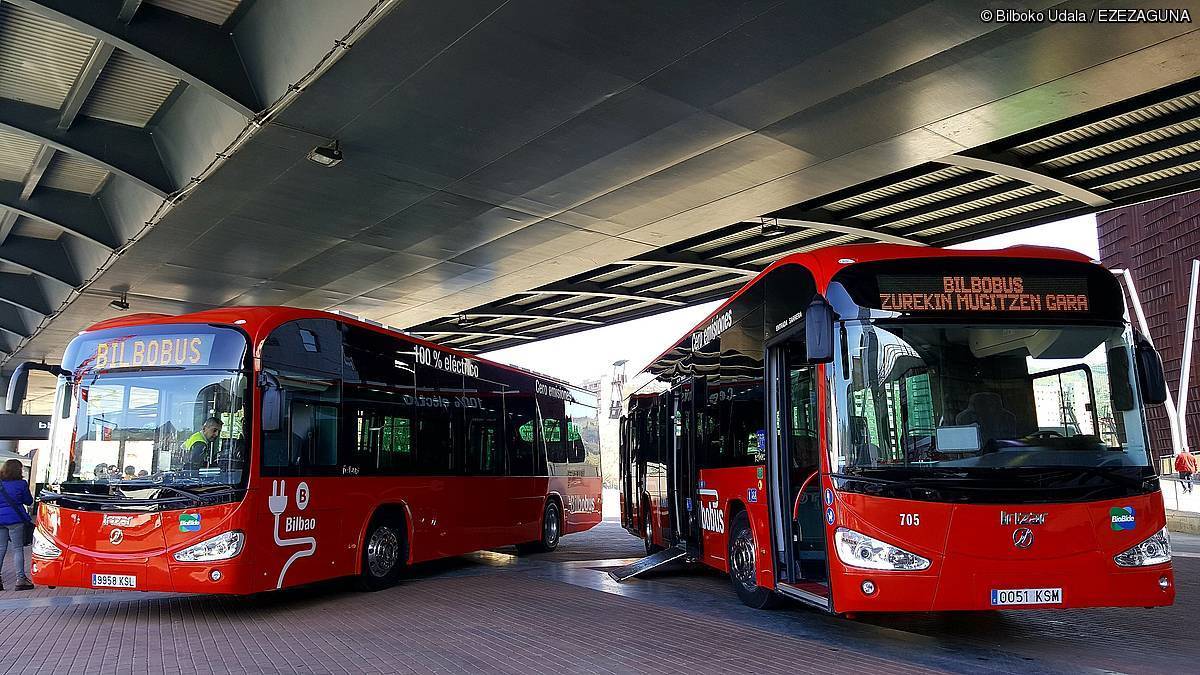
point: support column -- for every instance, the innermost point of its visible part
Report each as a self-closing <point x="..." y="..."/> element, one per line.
<point x="1185" y="372"/>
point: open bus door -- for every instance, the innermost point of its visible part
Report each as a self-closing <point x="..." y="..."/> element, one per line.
<point x="794" y="472"/>
<point x="628" y="465"/>
<point x="673" y="518"/>
<point x="682" y="477"/>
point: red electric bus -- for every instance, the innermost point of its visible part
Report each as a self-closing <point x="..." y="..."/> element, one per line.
<point x="343" y="449"/>
<point x="892" y="428"/>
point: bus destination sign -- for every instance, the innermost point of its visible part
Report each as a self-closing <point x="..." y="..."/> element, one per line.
<point x="969" y="293"/>
<point x="148" y="351"/>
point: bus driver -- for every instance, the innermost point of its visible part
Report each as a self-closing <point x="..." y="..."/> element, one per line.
<point x="198" y="444"/>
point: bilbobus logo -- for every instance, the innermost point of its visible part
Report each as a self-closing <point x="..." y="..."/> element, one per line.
<point x="1122" y="518"/>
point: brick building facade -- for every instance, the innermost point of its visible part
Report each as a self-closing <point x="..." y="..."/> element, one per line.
<point x="1157" y="241"/>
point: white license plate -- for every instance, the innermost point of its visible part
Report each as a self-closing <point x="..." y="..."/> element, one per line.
<point x="114" y="581"/>
<point x="1026" y="596"/>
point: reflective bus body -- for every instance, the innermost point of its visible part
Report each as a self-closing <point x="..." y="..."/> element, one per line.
<point x="890" y="428"/>
<point x="344" y="449"/>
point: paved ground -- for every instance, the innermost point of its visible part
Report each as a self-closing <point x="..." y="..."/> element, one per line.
<point x="495" y="612"/>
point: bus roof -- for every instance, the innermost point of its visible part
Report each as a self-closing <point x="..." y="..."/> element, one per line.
<point x="259" y="321"/>
<point x="826" y="262"/>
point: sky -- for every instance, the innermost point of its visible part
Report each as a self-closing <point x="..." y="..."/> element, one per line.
<point x="590" y="354"/>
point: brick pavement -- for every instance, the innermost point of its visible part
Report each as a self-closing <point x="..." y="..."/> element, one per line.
<point x="556" y="613"/>
<point x="503" y="622"/>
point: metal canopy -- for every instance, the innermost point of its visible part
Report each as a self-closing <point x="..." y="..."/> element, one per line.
<point x="1124" y="153"/>
<point x="520" y="169"/>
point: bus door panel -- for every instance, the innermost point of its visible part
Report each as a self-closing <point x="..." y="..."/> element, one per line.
<point x="682" y="479"/>
<point x="488" y="496"/>
<point x="526" y="457"/>
<point x="625" y="467"/>
<point x="799" y="520"/>
<point x="803" y="451"/>
<point x="656" y="466"/>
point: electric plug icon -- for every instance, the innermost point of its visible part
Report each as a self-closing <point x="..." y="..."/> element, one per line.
<point x="278" y="500"/>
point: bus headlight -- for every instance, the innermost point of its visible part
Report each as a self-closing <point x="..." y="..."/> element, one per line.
<point x="858" y="550"/>
<point x="1152" y="551"/>
<point x="43" y="547"/>
<point x="221" y="547"/>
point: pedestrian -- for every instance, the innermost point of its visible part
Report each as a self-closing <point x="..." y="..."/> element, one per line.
<point x="1185" y="464"/>
<point x="14" y="519"/>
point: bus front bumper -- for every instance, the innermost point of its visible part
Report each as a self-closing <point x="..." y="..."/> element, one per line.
<point x="1076" y="582"/>
<point x="78" y="569"/>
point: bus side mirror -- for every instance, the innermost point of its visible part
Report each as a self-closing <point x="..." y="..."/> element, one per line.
<point x="18" y="384"/>
<point x="818" y="331"/>
<point x="1150" y="372"/>
<point x="272" y="402"/>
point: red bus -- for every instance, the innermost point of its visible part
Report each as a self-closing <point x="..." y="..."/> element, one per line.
<point x="254" y="448"/>
<point x="892" y="428"/>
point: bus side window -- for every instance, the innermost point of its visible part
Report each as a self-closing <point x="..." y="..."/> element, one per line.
<point x="551" y="413"/>
<point x="438" y="423"/>
<point x="313" y="432"/>
<point x="378" y="398"/>
<point x="583" y="436"/>
<point x="520" y="436"/>
<point x="306" y="356"/>
<point x="483" y="431"/>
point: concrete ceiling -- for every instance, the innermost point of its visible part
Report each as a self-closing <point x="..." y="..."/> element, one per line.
<point x="495" y="148"/>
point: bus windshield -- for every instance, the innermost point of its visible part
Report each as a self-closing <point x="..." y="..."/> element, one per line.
<point x="964" y="397"/>
<point x="150" y="428"/>
<point x="152" y="406"/>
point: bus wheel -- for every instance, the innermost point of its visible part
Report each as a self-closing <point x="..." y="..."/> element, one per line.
<point x="742" y="568"/>
<point x="382" y="555"/>
<point x="550" y="532"/>
<point x="648" y="532"/>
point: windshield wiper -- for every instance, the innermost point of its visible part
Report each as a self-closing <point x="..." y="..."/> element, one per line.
<point x="1110" y="474"/>
<point x="107" y="498"/>
<point x="200" y="496"/>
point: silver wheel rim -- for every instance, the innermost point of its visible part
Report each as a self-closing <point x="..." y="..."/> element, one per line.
<point x="550" y="527"/>
<point x="741" y="559"/>
<point x="383" y="550"/>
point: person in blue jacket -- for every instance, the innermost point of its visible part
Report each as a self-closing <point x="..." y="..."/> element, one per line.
<point x="14" y="518"/>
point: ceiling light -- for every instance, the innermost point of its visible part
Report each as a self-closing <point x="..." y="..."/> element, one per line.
<point x="120" y="304"/>
<point x="326" y="155"/>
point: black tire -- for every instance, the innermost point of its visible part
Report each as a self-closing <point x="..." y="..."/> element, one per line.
<point x="384" y="554"/>
<point x="551" y="531"/>
<point x="743" y="570"/>
<point x="647" y="536"/>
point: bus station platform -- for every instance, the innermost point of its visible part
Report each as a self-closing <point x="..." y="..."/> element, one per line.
<point x="495" y="612"/>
